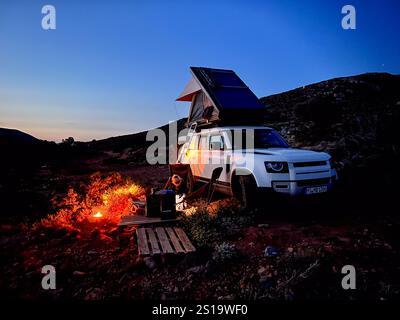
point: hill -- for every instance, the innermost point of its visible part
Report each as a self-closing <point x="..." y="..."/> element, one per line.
<point x="353" y="118"/>
<point x="350" y="116"/>
<point x="356" y="119"/>
<point x="22" y="151"/>
<point x="12" y="136"/>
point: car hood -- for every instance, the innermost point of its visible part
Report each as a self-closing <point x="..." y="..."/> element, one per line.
<point x="291" y="154"/>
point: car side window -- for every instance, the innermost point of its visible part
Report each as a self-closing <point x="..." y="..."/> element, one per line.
<point x="216" y="142"/>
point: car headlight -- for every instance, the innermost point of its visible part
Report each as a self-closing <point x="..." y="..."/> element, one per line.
<point x="276" y="167"/>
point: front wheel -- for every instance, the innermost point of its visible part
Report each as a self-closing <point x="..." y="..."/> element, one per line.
<point x="244" y="188"/>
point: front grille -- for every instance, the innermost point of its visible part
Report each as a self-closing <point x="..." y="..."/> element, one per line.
<point x="309" y="164"/>
<point x="313" y="182"/>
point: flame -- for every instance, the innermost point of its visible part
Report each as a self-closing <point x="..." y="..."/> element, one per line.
<point x="102" y="199"/>
<point x="98" y="215"/>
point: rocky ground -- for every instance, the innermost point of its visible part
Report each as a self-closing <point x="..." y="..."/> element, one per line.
<point x="291" y="249"/>
<point x="308" y="242"/>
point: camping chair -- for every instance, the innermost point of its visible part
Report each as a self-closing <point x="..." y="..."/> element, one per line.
<point x="184" y="172"/>
<point x="211" y="188"/>
<point x="207" y="189"/>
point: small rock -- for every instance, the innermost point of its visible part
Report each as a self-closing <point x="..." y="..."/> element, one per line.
<point x="196" y="269"/>
<point x="94" y="294"/>
<point x="271" y="251"/>
<point x="7" y="228"/>
<point x="228" y="297"/>
<point x="261" y="270"/>
<point x="113" y="232"/>
<point x="104" y="237"/>
<point x="266" y="282"/>
<point x="95" y="233"/>
<point x="150" y="263"/>
<point x="124" y="276"/>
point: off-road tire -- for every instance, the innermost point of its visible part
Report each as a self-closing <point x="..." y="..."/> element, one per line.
<point x="244" y="188"/>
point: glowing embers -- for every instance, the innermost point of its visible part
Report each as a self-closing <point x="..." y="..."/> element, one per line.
<point x="98" y="215"/>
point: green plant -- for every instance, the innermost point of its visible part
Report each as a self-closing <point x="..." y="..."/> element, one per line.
<point x="202" y="227"/>
<point x="224" y="252"/>
<point x="231" y="225"/>
<point x="207" y="224"/>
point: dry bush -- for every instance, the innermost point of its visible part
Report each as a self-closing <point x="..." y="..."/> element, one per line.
<point x="208" y="224"/>
<point x="112" y="196"/>
<point x="225" y="252"/>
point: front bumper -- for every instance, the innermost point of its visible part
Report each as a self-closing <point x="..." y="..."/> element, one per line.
<point x="300" y="187"/>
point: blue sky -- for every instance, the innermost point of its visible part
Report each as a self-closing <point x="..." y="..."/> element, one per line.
<point x="116" y="67"/>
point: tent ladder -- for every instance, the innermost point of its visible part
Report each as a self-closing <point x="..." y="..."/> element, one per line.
<point x="185" y="147"/>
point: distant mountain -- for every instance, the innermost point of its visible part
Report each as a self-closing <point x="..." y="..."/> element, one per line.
<point x="21" y="151"/>
<point x="13" y="136"/>
<point x="343" y="115"/>
<point x="129" y="148"/>
<point x="135" y="140"/>
<point x="356" y="119"/>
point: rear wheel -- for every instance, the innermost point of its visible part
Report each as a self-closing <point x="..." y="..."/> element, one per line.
<point x="244" y="188"/>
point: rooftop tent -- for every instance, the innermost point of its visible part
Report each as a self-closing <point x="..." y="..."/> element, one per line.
<point x="220" y="97"/>
<point x="190" y="90"/>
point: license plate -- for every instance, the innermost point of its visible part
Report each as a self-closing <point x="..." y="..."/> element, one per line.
<point x="319" y="189"/>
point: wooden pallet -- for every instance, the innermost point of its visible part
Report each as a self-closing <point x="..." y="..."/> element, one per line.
<point x="152" y="241"/>
<point x="132" y="220"/>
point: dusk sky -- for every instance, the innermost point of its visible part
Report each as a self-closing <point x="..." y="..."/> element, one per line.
<point x="116" y="67"/>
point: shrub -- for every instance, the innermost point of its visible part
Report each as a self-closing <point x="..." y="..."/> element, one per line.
<point x="224" y="252"/>
<point x="207" y="224"/>
<point x="112" y="196"/>
<point x="202" y="227"/>
<point x="231" y="225"/>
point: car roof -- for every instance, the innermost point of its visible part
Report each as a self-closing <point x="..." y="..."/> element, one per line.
<point x="219" y="129"/>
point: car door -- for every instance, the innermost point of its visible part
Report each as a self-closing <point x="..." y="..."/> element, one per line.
<point x="217" y="157"/>
<point x="199" y="159"/>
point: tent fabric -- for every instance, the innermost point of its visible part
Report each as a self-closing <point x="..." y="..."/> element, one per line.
<point x="232" y="101"/>
<point x="197" y="108"/>
<point x="200" y="109"/>
<point x="190" y="90"/>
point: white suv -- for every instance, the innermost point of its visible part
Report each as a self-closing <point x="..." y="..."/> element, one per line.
<point x="255" y="157"/>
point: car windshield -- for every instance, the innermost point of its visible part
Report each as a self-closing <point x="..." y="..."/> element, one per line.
<point x="258" y="139"/>
<point x="266" y="138"/>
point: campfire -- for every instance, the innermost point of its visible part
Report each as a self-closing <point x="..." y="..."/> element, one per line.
<point x="103" y="199"/>
<point x="98" y="215"/>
